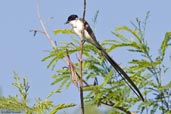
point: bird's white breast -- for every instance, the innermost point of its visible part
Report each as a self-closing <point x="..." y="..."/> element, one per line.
<point x="77" y="27"/>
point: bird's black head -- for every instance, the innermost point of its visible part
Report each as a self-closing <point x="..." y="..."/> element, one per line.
<point x="71" y="17"/>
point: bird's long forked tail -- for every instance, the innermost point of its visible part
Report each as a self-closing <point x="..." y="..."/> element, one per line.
<point x="122" y="73"/>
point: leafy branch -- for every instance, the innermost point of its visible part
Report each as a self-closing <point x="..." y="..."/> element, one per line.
<point x="19" y="103"/>
<point x="146" y="72"/>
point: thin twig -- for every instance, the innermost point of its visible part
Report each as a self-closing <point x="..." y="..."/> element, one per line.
<point x="72" y="70"/>
<point x="81" y="80"/>
<point x="52" y="42"/>
<point x="86" y="84"/>
<point x="81" y="52"/>
<point x="84" y="12"/>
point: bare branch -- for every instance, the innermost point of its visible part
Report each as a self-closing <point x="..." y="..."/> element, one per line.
<point x="72" y="70"/>
<point x="52" y="42"/>
<point x="84" y="12"/>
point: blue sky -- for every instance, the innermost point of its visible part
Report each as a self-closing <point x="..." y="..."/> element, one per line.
<point x="21" y="52"/>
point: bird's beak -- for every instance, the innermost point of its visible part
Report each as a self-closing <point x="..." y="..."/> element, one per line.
<point x="66" y="22"/>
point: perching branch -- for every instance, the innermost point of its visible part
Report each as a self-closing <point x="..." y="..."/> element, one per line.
<point x="84" y="12"/>
<point x="81" y="52"/>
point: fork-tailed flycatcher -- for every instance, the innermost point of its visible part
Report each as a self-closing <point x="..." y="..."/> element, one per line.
<point x="78" y="24"/>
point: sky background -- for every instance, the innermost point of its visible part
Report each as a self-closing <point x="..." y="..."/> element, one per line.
<point x="22" y="52"/>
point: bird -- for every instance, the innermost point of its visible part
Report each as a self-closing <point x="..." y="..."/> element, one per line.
<point x="83" y="30"/>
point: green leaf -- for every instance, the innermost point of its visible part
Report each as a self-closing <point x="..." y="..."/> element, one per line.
<point x="154" y="109"/>
<point x="59" y="79"/>
<point x="121" y="36"/>
<point x="144" y="63"/>
<point x="91" y="88"/>
<point x="133" y="32"/>
<point x="61" y="106"/>
<point x="41" y="106"/>
<point x="107" y="78"/>
<point x="165" y="87"/>
<point x="165" y="44"/>
<point x="53" y="54"/>
<point x="63" y="31"/>
<point x="53" y="92"/>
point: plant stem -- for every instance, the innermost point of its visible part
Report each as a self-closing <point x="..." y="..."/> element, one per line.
<point x="81" y="80"/>
<point x="81" y="53"/>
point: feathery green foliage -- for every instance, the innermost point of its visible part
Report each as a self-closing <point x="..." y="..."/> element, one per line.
<point x="61" y="106"/>
<point x="19" y="103"/>
<point x="111" y="90"/>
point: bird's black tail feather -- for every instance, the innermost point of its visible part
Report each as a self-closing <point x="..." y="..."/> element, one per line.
<point x="122" y="73"/>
